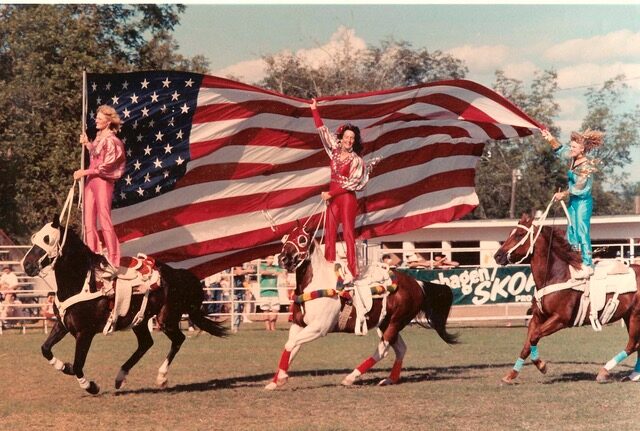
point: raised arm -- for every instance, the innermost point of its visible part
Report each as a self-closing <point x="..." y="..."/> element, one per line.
<point x="328" y="140"/>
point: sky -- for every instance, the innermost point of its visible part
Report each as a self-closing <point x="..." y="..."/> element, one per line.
<point x="585" y="43"/>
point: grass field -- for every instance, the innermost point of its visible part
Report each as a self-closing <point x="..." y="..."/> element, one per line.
<point x="218" y="384"/>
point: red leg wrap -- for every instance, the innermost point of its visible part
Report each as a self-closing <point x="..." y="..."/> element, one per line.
<point x="284" y="360"/>
<point x="395" y="371"/>
<point x="366" y="365"/>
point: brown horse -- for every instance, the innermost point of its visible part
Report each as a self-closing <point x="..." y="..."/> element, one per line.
<point x="558" y="307"/>
<point x="316" y="281"/>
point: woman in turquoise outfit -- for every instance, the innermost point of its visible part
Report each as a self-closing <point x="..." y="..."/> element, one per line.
<point x="580" y="175"/>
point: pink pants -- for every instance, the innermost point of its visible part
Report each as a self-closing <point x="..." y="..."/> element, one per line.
<point x="98" y="193"/>
<point x="342" y="209"/>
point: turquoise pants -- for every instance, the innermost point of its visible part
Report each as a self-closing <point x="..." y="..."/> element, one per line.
<point x="579" y="233"/>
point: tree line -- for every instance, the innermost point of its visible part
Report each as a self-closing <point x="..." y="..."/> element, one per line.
<point x="45" y="48"/>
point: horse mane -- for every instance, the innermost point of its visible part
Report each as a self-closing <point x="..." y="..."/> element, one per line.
<point x="80" y="248"/>
<point x="561" y="246"/>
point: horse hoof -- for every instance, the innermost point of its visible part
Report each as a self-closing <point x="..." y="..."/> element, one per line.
<point x="541" y="365"/>
<point x="120" y="383"/>
<point x="121" y="379"/>
<point x="93" y="388"/>
<point x="272" y="386"/>
<point x="603" y="376"/>
<point x="348" y="381"/>
<point x="386" y="382"/>
<point x="162" y="381"/>
<point x="68" y="369"/>
<point x="633" y="377"/>
<point x="510" y="378"/>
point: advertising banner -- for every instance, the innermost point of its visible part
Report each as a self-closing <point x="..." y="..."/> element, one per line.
<point x="480" y="286"/>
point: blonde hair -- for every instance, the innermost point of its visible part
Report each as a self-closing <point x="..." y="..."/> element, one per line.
<point x="112" y="115"/>
<point x="589" y="139"/>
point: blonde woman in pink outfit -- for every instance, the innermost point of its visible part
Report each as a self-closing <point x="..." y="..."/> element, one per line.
<point x="107" y="163"/>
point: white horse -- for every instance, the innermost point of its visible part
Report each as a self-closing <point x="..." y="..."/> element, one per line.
<point x="317" y="310"/>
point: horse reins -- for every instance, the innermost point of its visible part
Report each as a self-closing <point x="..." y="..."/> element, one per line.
<point x="296" y="244"/>
<point x="530" y="235"/>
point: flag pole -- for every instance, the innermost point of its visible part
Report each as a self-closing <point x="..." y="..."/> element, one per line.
<point x="84" y="130"/>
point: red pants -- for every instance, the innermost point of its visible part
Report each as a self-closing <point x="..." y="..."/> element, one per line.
<point x="342" y="210"/>
<point x="97" y="205"/>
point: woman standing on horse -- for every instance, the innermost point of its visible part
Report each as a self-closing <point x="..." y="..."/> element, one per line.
<point x="349" y="173"/>
<point x="580" y="176"/>
<point x="107" y="163"/>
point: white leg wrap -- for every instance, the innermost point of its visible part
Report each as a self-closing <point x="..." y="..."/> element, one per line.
<point x="355" y="374"/>
<point x="164" y="368"/>
<point x="56" y="363"/>
<point x="84" y="383"/>
<point x="611" y="364"/>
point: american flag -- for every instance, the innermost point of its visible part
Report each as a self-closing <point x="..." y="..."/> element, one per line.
<point x="217" y="171"/>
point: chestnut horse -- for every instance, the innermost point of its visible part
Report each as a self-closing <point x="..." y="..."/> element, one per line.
<point x="316" y="278"/>
<point x="74" y="267"/>
<point x="551" y="258"/>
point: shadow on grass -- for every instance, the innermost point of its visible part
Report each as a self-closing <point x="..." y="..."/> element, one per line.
<point x="410" y="375"/>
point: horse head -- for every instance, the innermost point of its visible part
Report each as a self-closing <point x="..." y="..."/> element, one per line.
<point x="44" y="250"/>
<point x="519" y="245"/>
<point x="296" y="247"/>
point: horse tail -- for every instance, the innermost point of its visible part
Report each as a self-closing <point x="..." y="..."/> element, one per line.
<point x="186" y="291"/>
<point x="208" y="325"/>
<point x="436" y="305"/>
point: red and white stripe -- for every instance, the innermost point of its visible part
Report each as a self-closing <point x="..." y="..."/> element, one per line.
<point x="257" y="165"/>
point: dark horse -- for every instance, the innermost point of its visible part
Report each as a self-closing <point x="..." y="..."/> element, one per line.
<point x="551" y="259"/>
<point x="179" y="292"/>
<point x="316" y="281"/>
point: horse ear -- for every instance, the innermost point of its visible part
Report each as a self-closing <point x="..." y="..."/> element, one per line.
<point x="56" y="221"/>
<point x="525" y="218"/>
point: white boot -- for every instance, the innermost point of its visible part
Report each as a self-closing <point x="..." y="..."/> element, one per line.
<point x="585" y="271"/>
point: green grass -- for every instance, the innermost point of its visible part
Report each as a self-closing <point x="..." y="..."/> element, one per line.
<point x="218" y="384"/>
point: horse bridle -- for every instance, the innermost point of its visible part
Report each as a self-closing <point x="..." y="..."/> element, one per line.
<point x="301" y="245"/>
<point x="50" y="242"/>
<point x="530" y="235"/>
<point x="302" y="242"/>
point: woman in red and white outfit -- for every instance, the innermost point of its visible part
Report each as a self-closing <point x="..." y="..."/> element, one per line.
<point x="349" y="173"/>
<point x="107" y="163"/>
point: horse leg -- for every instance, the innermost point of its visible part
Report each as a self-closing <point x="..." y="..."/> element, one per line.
<point x="297" y="337"/>
<point x="633" y="328"/>
<point x="536" y="331"/>
<point x="399" y="348"/>
<point x="83" y="343"/>
<point x="57" y="333"/>
<point x="145" y="341"/>
<point x="390" y="336"/>
<point x="177" y="338"/>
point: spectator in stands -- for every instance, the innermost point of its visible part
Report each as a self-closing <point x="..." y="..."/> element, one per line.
<point x="215" y="294"/>
<point x="8" y="280"/>
<point x="441" y="261"/>
<point x="9" y="309"/>
<point x="388" y="260"/>
<point x="269" y="298"/>
<point x="46" y="310"/>
<point x="239" y="274"/>
<point x="414" y="261"/>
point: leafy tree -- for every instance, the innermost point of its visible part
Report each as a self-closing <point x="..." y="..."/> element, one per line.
<point x="607" y="112"/>
<point x="392" y="64"/>
<point x="43" y="52"/>
<point x="541" y="172"/>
